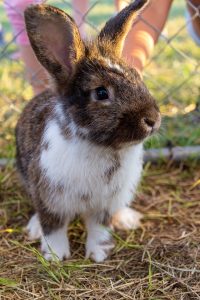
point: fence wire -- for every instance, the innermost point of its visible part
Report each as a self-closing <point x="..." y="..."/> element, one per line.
<point x="171" y="73"/>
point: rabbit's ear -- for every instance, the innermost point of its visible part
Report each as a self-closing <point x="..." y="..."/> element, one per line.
<point x="55" y="40"/>
<point x="113" y="35"/>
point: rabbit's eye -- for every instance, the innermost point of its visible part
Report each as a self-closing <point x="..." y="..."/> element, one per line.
<point x="101" y="93"/>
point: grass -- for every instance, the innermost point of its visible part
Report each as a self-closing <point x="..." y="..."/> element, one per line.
<point x="160" y="260"/>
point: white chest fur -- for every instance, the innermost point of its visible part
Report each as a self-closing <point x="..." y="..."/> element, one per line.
<point x="79" y="168"/>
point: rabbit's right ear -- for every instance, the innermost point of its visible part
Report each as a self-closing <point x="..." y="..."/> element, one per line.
<point x="116" y="29"/>
<point x="55" y="40"/>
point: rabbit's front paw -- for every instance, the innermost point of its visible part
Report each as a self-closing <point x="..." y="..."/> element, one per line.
<point x="33" y="228"/>
<point x="99" y="245"/>
<point x="126" y="218"/>
<point x="55" y="246"/>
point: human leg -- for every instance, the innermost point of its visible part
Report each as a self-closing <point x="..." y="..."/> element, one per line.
<point x="144" y="34"/>
<point x="34" y="71"/>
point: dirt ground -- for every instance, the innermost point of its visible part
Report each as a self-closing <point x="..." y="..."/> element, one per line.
<point x="161" y="260"/>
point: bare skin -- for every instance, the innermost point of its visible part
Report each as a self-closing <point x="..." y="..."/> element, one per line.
<point x="195" y="18"/>
<point x="145" y="33"/>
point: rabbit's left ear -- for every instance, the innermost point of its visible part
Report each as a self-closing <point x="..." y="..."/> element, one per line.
<point x="55" y="40"/>
<point x="113" y="35"/>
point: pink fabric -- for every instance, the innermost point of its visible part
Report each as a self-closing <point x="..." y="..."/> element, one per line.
<point x="15" y="11"/>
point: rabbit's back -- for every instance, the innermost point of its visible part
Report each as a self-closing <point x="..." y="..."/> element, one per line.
<point x="30" y="129"/>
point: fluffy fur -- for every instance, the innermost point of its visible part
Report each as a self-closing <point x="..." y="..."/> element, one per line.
<point x="77" y="166"/>
<point x="78" y="153"/>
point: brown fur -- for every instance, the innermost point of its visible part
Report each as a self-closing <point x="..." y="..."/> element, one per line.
<point x="132" y="101"/>
<point x="116" y="29"/>
<point x="29" y="134"/>
<point x="61" y="36"/>
<point x="110" y="172"/>
<point x="50" y="221"/>
<point x="85" y="197"/>
<point x="29" y="130"/>
<point x="77" y="69"/>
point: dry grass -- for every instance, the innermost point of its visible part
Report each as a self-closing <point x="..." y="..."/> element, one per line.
<point x="159" y="261"/>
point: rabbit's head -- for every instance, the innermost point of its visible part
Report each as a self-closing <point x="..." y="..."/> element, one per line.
<point x="105" y="98"/>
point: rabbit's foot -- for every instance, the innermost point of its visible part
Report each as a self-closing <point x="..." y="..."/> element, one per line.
<point x="55" y="246"/>
<point x="33" y="228"/>
<point x="99" y="244"/>
<point x="126" y="219"/>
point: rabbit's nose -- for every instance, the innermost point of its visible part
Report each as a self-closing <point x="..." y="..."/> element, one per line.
<point x="149" y="122"/>
<point x="152" y="124"/>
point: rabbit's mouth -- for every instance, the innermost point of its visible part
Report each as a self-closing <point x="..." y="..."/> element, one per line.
<point x="132" y="130"/>
<point x="129" y="131"/>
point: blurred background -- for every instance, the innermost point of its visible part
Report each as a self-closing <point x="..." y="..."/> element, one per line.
<point x="171" y="74"/>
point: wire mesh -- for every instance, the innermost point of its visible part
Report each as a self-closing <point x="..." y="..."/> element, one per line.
<point x="171" y="73"/>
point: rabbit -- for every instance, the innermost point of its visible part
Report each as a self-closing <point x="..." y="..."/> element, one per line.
<point x="79" y="143"/>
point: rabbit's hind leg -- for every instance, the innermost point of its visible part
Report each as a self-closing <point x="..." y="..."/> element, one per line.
<point x="33" y="228"/>
<point x="126" y="219"/>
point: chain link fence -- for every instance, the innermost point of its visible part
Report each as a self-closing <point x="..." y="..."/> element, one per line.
<point x="171" y="73"/>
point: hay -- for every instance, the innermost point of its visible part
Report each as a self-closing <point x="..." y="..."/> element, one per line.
<point x="159" y="261"/>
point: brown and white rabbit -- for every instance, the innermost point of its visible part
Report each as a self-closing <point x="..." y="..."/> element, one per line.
<point x="79" y="144"/>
